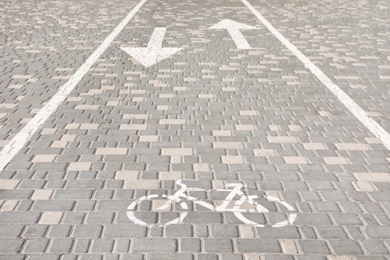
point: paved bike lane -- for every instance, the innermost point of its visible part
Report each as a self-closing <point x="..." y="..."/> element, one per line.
<point x="42" y="44"/>
<point x="350" y="44"/>
<point x="211" y="114"/>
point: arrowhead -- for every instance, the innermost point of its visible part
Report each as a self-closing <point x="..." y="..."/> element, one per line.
<point x="230" y="24"/>
<point x="150" y="56"/>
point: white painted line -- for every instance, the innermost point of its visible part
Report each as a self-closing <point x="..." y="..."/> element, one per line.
<point x="157" y="38"/>
<point x="154" y="53"/>
<point x="354" y="108"/>
<point x="239" y="39"/>
<point x="21" y="138"/>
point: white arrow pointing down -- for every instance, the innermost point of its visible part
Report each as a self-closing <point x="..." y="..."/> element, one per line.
<point x="154" y="53"/>
<point x="233" y="29"/>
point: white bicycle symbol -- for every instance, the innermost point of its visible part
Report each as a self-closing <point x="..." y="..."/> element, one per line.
<point x="238" y="209"/>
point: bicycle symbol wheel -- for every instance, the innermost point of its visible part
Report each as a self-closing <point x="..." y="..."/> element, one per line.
<point x="170" y="200"/>
<point x="258" y="208"/>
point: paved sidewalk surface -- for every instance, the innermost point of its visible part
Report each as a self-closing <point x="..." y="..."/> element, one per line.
<point x="140" y="159"/>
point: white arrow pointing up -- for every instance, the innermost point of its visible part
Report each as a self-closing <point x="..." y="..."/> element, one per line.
<point x="233" y="29"/>
<point x="154" y="53"/>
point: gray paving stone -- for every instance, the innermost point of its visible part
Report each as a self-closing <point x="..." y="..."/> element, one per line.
<point x="73" y="218"/>
<point x="60" y="231"/>
<point x="287" y="232"/>
<point x="231" y="257"/>
<point x="12" y="257"/>
<point x="218" y="245"/>
<point x="102" y="246"/>
<point x="55" y="184"/>
<point x="100" y="217"/>
<point x="124" y="231"/>
<point x="61" y="245"/>
<point x="346" y="247"/>
<point x="309" y="257"/>
<point x="91" y="257"/>
<point x="314" y="247"/>
<point x="314" y="219"/>
<point x="278" y="256"/>
<point x="190" y="245"/>
<point x="370" y="257"/>
<point x="11" y="245"/>
<point x="132" y="257"/>
<point x="201" y="231"/>
<point x="355" y="232"/>
<point x="110" y="205"/>
<point x="308" y="232"/>
<point x="167" y="256"/>
<point x="32" y="231"/>
<point x="73" y="194"/>
<point x="380" y="232"/>
<point x="346" y="219"/>
<point x="224" y="231"/>
<point x="81" y="246"/>
<point x="25" y="205"/>
<point x="36" y="246"/>
<point x="16" y="194"/>
<point x="87" y="231"/>
<point x="69" y="257"/>
<point x="52" y="205"/>
<point x="375" y="247"/>
<point x="150" y="245"/>
<point x="203" y="218"/>
<point x="207" y="257"/>
<point x="322" y="206"/>
<point x="331" y="232"/>
<point x="11" y="230"/>
<point x="183" y="230"/>
<point x="85" y="184"/>
<point x="19" y="217"/>
<point x="254" y="245"/>
<point x="44" y="257"/>
<point x="32" y="184"/>
<point x="85" y="205"/>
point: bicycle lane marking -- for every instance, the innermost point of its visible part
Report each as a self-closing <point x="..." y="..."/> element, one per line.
<point x="21" y="138"/>
<point x="348" y="102"/>
<point x="181" y="196"/>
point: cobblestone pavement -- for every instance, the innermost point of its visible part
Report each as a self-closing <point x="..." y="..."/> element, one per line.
<point x="101" y="177"/>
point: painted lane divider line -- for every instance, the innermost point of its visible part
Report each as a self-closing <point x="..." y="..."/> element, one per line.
<point x="348" y="102"/>
<point x="22" y="137"/>
<point x="233" y="29"/>
<point x="154" y="53"/>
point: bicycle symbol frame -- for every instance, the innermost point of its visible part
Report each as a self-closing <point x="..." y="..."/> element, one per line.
<point x="182" y="195"/>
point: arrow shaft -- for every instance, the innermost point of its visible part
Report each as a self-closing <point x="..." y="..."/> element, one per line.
<point x="239" y="39"/>
<point x="157" y="38"/>
<point x="154" y="53"/>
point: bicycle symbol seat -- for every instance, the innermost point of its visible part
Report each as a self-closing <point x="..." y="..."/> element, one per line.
<point x="239" y="206"/>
